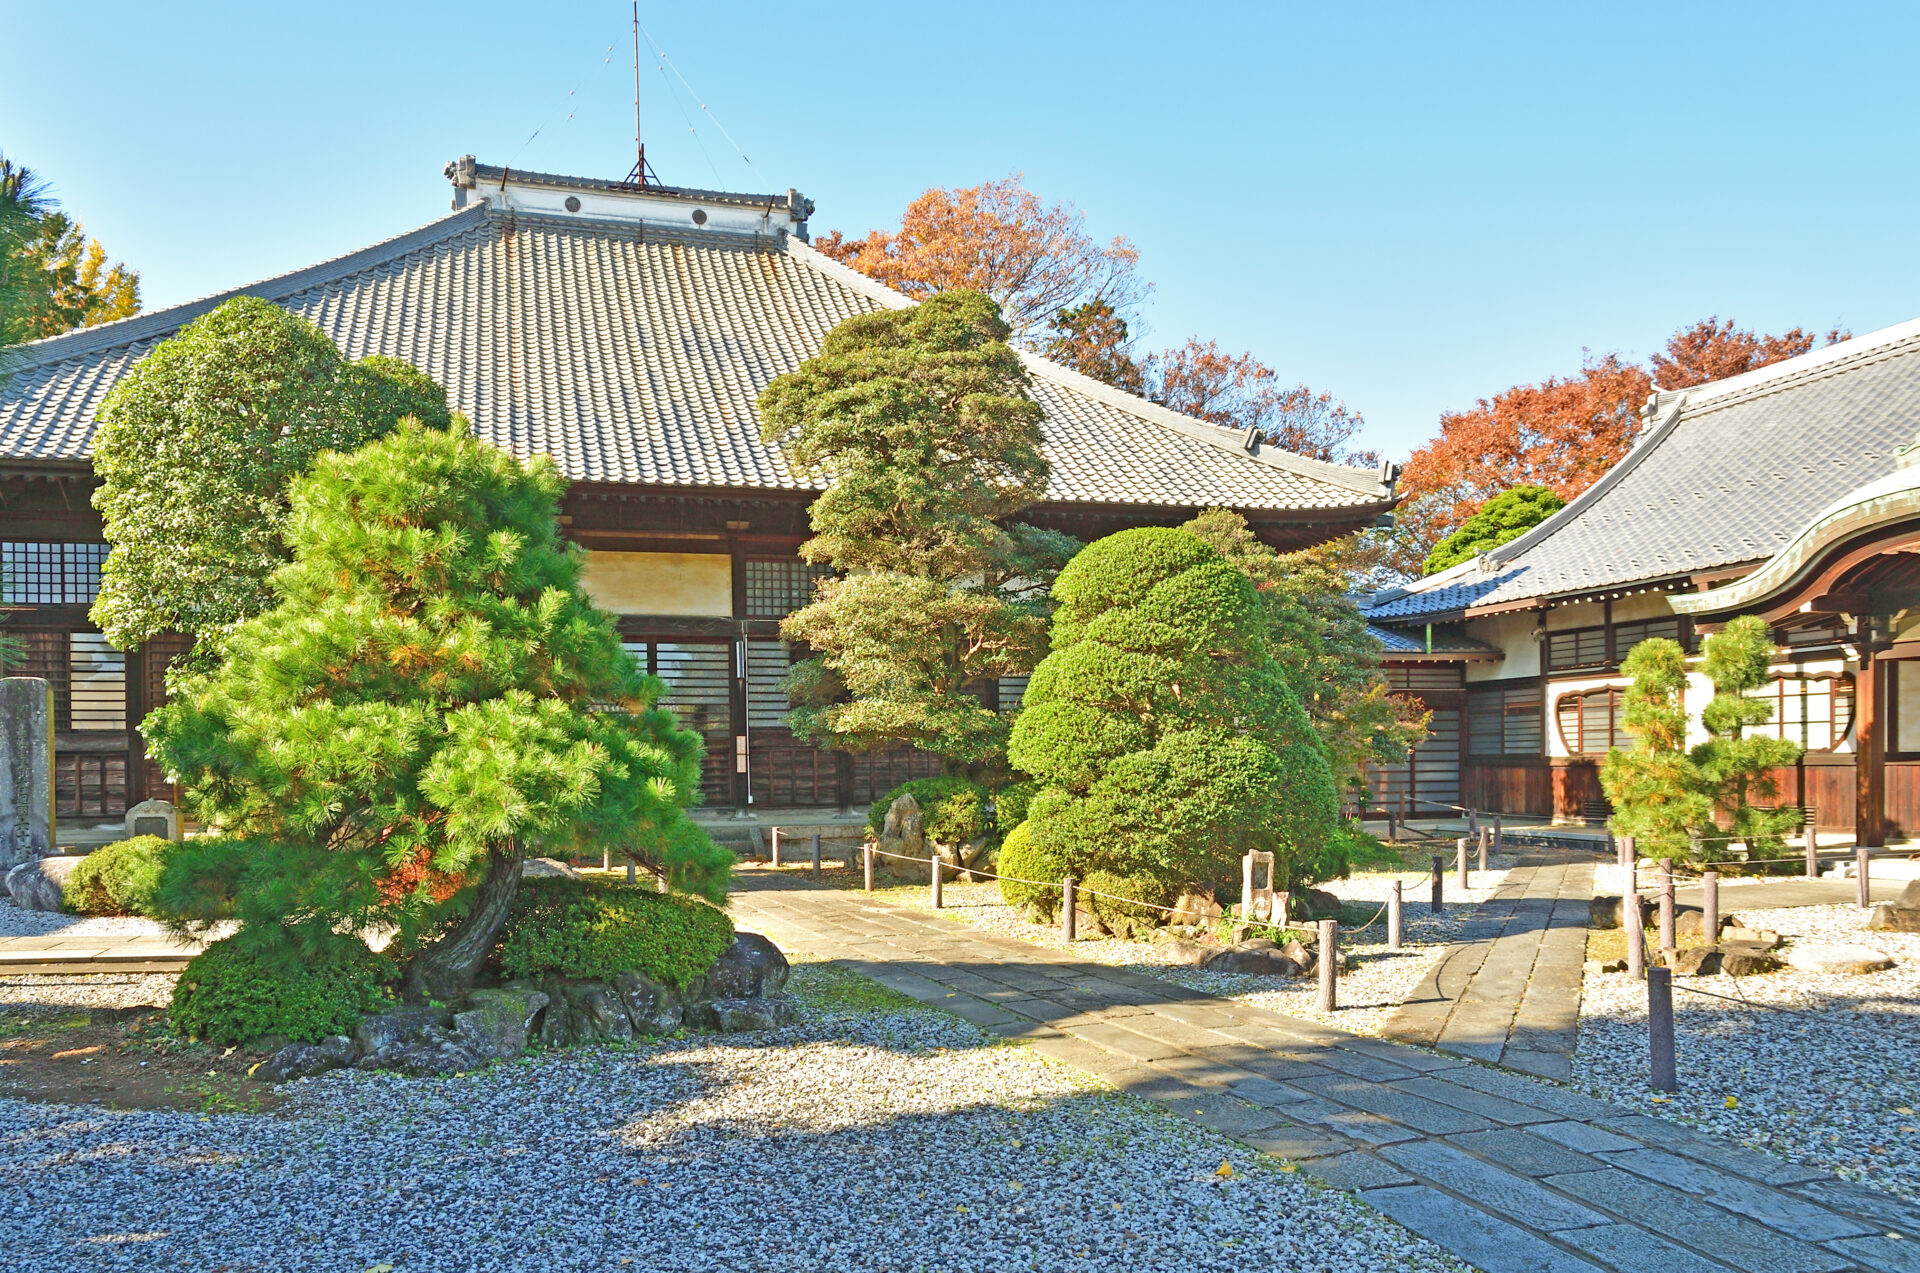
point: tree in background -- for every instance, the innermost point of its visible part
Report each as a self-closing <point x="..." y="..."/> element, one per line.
<point x="418" y="713"/>
<point x="1501" y="520"/>
<point x="53" y="278"/>
<point x="1035" y="260"/>
<point x="1713" y="349"/>
<point x="1665" y="794"/>
<point x="1562" y="433"/>
<point x="1318" y="640"/>
<point x="1093" y="340"/>
<point x="197" y="446"/>
<point x="921" y="417"/>
<point x="1164" y="738"/>
<point x="1239" y="392"/>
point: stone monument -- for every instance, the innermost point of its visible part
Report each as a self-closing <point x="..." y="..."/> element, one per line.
<point x="154" y="817"/>
<point x="26" y="770"/>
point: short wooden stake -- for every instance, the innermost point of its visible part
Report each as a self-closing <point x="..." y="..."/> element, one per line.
<point x="1246" y="887"/>
<point x="816" y="855"/>
<point x="866" y="855"/>
<point x="1613" y="848"/>
<point x="1863" y="890"/>
<point x="934" y="860"/>
<point x="1663" y="1072"/>
<point x="1668" y="941"/>
<point x="1393" y="917"/>
<point x="606" y="859"/>
<point x="630" y="871"/>
<point x="1329" y="961"/>
<point x="1393" y="823"/>
<point x="1636" y="930"/>
<point x="1710" y="904"/>
<point x="776" y="846"/>
<point x="1460" y="854"/>
<point x="1486" y="839"/>
<point x="1473" y="822"/>
<point x="1438" y="882"/>
<point x="1069" y="904"/>
<point x="1496" y="838"/>
<point x="1280" y="900"/>
<point x="1813" y="858"/>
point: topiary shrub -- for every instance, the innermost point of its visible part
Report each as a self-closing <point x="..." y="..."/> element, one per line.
<point x="1142" y="893"/>
<point x="120" y="879"/>
<point x="1021" y="858"/>
<point x="244" y="988"/>
<point x="1010" y="805"/>
<point x="952" y="810"/>
<point x="584" y="928"/>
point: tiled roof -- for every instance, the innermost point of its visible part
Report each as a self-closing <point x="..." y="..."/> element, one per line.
<point x="633" y="354"/>
<point x="1726" y="475"/>
<point x="1446" y="640"/>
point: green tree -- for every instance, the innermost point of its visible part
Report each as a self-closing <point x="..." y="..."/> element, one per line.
<point x="23" y="201"/>
<point x="423" y="707"/>
<point x="196" y="447"/>
<point x="1502" y="519"/>
<point x="53" y="278"/>
<point x="1665" y="794"/>
<point x="1165" y="739"/>
<point x="921" y="418"/>
<point x="1319" y="641"/>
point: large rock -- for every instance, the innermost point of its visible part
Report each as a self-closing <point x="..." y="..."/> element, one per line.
<point x="652" y="1006"/>
<point x="904" y="834"/>
<point x="378" y="1037"/>
<point x="752" y="966"/>
<point x="1314" y="904"/>
<point x="499" y="1022"/>
<point x="1259" y="959"/>
<point x="582" y="1012"/>
<point x="1194" y="909"/>
<point x="39" y="885"/>
<point x="733" y="1015"/>
<point x="1609" y="911"/>
<point x="1694" y="961"/>
<point x="1747" y="959"/>
<point x="1891" y="917"/>
<point x="1837" y="959"/>
<point x="547" y="869"/>
<point x="1910" y="896"/>
<point x="1190" y="953"/>
<point x="304" y="1060"/>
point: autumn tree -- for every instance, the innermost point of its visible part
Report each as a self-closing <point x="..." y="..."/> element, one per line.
<point x="53" y="278"/>
<point x="1036" y="260"/>
<point x="1093" y="339"/>
<point x="1713" y="349"/>
<point x="1239" y="392"/>
<point x="922" y="418"/>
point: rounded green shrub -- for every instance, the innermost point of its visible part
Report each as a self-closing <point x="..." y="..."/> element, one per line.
<point x="1022" y="859"/>
<point x="952" y="810"/>
<point x="1010" y="805"/>
<point x="584" y="928"/>
<point x="245" y="988"/>
<point x="1125" y="903"/>
<point x="120" y="879"/>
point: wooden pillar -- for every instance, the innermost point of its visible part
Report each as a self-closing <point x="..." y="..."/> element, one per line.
<point x="1869" y="756"/>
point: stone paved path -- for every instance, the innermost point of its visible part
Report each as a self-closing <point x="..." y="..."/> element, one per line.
<point x="1509" y="992"/>
<point x="1513" y="1175"/>
<point x="58" y="953"/>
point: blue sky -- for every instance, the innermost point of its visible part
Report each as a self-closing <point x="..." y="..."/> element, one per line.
<point x="1409" y="206"/>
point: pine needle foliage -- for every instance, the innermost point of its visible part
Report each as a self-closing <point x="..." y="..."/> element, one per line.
<point x="1165" y="738"/>
<point x="921" y="419"/>
<point x="1695" y="803"/>
<point x="426" y="704"/>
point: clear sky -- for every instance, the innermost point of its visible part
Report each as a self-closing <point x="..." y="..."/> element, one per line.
<point x="1410" y="206"/>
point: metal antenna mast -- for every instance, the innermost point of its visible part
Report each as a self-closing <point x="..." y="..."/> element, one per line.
<point x="639" y="147"/>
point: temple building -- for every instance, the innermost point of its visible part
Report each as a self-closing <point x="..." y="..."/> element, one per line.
<point x="626" y="331"/>
<point x="1790" y="492"/>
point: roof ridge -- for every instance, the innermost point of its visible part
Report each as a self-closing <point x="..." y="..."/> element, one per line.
<point x="496" y="172"/>
<point x="1362" y="481"/>
<point x="1815" y="364"/>
<point x="128" y="331"/>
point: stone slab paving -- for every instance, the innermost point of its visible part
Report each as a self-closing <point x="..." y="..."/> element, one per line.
<point x="1512" y="1174"/>
<point x="54" y="953"/>
<point x="1508" y="993"/>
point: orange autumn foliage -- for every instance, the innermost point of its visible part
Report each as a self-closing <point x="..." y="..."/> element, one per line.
<point x="1713" y="349"/>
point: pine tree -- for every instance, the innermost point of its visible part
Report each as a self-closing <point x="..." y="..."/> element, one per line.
<point x="426" y="705"/>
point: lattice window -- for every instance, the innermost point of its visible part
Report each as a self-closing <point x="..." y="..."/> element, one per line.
<point x="44" y="654"/>
<point x="1578" y="647"/>
<point x="1505" y="722"/>
<point x="767" y="665"/>
<point x="777" y="587"/>
<point x="1814" y="711"/>
<point x="1592" y="722"/>
<point x="1012" y="690"/>
<point x="1417" y="677"/>
<point x="1628" y="635"/>
<point x="98" y="687"/>
<point x="47" y="574"/>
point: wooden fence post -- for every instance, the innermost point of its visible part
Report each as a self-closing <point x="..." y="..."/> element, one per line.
<point x="1393" y="917"/>
<point x="1393" y="825"/>
<point x="1438" y="877"/>
<point x="1486" y="839"/>
<point x="935" y="860"/>
<point x="1813" y="858"/>
<point x="1710" y="904"/>
<point x="816" y="855"/>
<point x="1636" y="931"/>
<point x="1497" y="828"/>
<point x="1460" y="855"/>
<point x="776" y="846"/>
<point x="1069" y="904"/>
<point x="1668" y="941"/>
<point x="1329" y="961"/>
<point x="1863" y="889"/>
<point x="1663" y="1072"/>
<point x="866" y="855"/>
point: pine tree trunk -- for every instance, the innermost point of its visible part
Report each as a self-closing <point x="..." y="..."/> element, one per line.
<point x="445" y="970"/>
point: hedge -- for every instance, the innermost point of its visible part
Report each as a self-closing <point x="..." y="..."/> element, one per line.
<point x="119" y="879"/>
<point x="585" y="928"/>
<point x="246" y="988"/>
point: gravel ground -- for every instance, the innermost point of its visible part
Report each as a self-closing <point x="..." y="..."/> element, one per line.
<point x="106" y="990"/>
<point x="1377" y="983"/>
<point x="1835" y="1083"/>
<point x="870" y="1135"/>
<point x="16" y="922"/>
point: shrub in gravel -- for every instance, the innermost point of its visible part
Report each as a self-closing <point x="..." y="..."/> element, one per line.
<point x="120" y="879"/>
<point x="1021" y="859"/>
<point x="1142" y="894"/>
<point x="585" y="928"/>
<point x="952" y="810"/>
<point x="244" y="988"/>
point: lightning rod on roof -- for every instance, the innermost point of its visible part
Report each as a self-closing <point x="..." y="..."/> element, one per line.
<point x="639" y="147"/>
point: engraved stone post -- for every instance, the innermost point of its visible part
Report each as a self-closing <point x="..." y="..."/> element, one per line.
<point x="26" y="770"/>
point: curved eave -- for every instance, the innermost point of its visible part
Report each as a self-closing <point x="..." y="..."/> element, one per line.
<point x="1891" y="502"/>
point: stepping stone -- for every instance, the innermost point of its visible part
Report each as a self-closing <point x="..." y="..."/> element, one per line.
<point x="1837" y="958"/>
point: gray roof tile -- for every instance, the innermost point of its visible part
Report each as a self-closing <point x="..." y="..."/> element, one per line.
<point x="633" y="355"/>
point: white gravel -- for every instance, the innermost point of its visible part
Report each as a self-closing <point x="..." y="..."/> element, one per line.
<point x="1833" y="1083"/>
<point x="18" y="922"/>
<point x="102" y="990"/>
<point x="864" y="1137"/>
<point x="1378" y="981"/>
